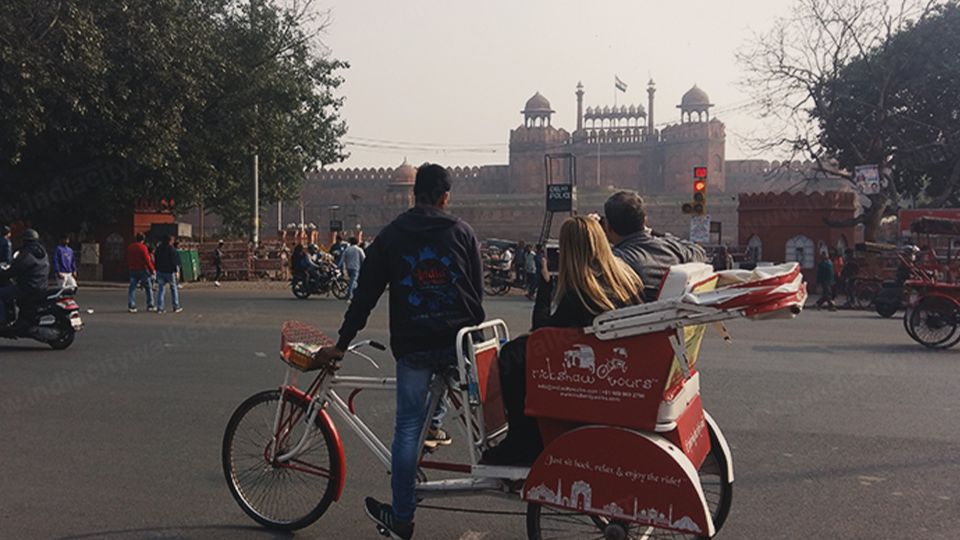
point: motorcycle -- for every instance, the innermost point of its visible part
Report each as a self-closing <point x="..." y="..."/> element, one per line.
<point x="53" y="317"/>
<point x="327" y="281"/>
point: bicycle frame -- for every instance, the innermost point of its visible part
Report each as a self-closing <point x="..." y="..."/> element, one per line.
<point x="324" y="394"/>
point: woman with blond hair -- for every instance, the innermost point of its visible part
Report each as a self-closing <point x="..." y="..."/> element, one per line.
<point x="590" y="281"/>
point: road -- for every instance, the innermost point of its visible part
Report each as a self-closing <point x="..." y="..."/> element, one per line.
<point x="840" y="426"/>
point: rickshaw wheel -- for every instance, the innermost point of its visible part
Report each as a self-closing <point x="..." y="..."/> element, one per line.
<point x="545" y="522"/>
<point x="934" y="322"/>
<point x="907" y="314"/>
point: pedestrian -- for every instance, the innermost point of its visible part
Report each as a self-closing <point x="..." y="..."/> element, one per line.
<point x="848" y="276"/>
<point x="351" y="261"/>
<point x="6" y="248"/>
<point x="837" y="259"/>
<point x="431" y="262"/>
<point x="141" y="269"/>
<point x="722" y="260"/>
<point x="65" y="264"/>
<point x="284" y="262"/>
<point x="520" y="263"/>
<point x="218" y="263"/>
<point x="826" y="279"/>
<point x="168" y="263"/>
<point x="530" y="271"/>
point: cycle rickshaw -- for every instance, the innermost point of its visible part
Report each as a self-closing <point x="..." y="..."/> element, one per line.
<point x="932" y="317"/>
<point x="629" y="451"/>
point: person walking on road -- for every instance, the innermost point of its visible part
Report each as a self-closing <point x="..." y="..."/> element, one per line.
<point x="168" y="264"/>
<point x="431" y="261"/>
<point x="351" y="260"/>
<point x="530" y="271"/>
<point x="141" y="273"/>
<point x="218" y="263"/>
<point x="6" y="248"/>
<point x="65" y="264"/>
<point x="722" y="260"/>
<point x="826" y="280"/>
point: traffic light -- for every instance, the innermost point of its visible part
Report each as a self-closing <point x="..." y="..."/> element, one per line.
<point x="698" y="206"/>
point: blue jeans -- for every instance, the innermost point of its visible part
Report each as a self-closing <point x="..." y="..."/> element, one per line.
<point x="138" y="278"/>
<point x="163" y="278"/>
<point x="413" y="395"/>
<point x="352" y="273"/>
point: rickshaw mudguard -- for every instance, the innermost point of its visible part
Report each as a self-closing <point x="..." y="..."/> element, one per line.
<point x="324" y="417"/>
<point x="621" y="474"/>
<point x="722" y="443"/>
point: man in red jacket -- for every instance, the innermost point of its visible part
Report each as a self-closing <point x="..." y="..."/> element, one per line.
<point x="141" y="273"/>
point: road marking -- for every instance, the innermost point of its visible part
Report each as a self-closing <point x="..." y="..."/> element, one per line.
<point x="473" y="535"/>
<point x="870" y="480"/>
<point x="260" y="354"/>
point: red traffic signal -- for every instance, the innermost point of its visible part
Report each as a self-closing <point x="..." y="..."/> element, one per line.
<point x="699" y="172"/>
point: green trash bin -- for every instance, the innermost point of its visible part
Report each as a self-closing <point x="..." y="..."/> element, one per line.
<point x="189" y="264"/>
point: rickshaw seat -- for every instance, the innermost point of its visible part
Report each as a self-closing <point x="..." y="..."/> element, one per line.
<point x="559" y="359"/>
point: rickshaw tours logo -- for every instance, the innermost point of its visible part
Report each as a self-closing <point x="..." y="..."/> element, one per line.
<point x="580" y="366"/>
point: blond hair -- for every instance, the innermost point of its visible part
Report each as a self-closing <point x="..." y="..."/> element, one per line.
<point x="589" y="270"/>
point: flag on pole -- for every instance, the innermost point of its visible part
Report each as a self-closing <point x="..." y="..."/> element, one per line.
<point x="621" y="86"/>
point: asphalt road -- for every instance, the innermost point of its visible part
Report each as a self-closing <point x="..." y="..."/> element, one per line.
<point x="841" y="426"/>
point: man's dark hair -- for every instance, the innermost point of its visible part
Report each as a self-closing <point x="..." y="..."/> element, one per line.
<point x="353" y="241"/>
<point x="432" y="182"/>
<point x="624" y="213"/>
<point x="167" y="239"/>
<point x="65" y="238"/>
<point x="4" y="230"/>
<point x="140" y="237"/>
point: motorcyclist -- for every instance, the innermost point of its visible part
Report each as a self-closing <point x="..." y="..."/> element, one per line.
<point x="30" y="270"/>
<point x="311" y="265"/>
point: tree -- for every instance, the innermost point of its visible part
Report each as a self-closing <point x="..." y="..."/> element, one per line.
<point x="105" y="103"/>
<point x="861" y="82"/>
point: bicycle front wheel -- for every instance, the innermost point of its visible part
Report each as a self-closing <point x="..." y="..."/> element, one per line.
<point x="290" y="495"/>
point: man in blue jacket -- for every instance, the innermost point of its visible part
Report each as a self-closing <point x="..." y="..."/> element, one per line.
<point x="65" y="264"/>
<point x="431" y="260"/>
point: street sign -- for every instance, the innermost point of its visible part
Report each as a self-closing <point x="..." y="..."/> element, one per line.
<point x="700" y="229"/>
<point x="560" y="197"/>
<point x="336" y="225"/>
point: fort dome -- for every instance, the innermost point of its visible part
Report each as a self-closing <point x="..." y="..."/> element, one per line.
<point x="404" y="174"/>
<point x="537" y="104"/>
<point x="695" y="97"/>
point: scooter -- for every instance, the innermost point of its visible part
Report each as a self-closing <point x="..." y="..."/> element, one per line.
<point x="53" y="317"/>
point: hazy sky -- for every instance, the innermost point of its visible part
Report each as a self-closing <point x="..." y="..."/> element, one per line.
<point x="445" y="80"/>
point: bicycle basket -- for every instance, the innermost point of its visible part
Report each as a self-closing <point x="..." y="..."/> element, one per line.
<point x="299" y="342"/>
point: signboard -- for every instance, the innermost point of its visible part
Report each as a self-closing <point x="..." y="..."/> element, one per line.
<point x="700" y="229"/>
<point x="560" y="197"/>
<point x="867" y="179"/>
<point x="336" y="225"/>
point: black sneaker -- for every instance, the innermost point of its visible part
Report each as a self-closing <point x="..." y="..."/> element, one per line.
<point x="382" y="515"/>
<point x="437" y="437"/>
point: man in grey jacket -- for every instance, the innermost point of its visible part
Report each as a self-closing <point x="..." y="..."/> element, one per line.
<point x="649" y="253"/>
